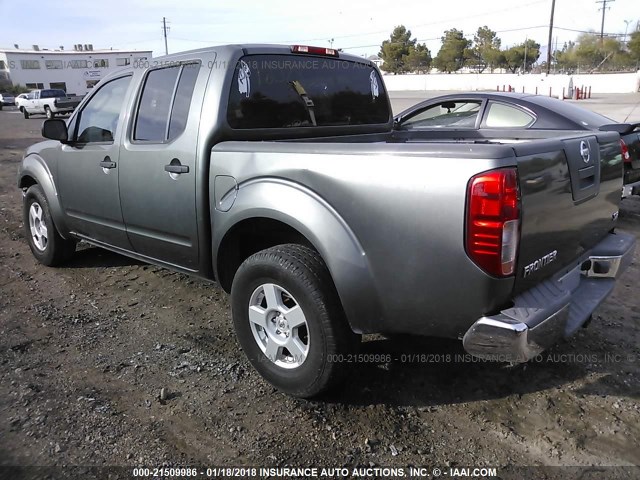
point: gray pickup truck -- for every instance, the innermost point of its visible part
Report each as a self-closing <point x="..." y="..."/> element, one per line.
<point x="274" y="170"/>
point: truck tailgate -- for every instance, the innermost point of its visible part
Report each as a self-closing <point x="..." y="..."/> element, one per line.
<point x="69" y="102"/>
<point x="570" y="189"/>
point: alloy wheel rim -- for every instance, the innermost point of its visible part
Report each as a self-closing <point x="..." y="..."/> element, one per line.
<point x="279" y="326"/>
<point x="38" y="227"/>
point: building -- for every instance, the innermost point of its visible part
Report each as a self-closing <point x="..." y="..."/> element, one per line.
<point x="376" y="60"/>
<point x="74" y="71"/>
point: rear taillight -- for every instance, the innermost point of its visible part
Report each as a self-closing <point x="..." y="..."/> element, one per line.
<point x="330" y="52"/>
<point x="493" y="221"/>
<point x="626" y="158"/>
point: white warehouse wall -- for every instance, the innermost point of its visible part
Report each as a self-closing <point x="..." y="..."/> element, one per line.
<point x="599" y="83"/>
<point x="94" y="65"/>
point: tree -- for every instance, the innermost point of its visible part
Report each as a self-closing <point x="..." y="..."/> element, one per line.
<point x="589" y="51"/>
<point x="453" y="53"/>
<point x="566" y="60"/>
<point x="418" y="59"/>
<point x="403" y="54"/>
<point x="634" y="46"/>
<point x="607" y="54"/>
<point x="525" y="54"/>
<point x="486" y="50"/>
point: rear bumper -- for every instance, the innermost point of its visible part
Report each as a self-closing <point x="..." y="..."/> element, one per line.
<point x="554" y="309"/>
<point x="631" y="189"/>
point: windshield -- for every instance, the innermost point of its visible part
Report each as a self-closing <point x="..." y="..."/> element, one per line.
<point x="284" y="91"/>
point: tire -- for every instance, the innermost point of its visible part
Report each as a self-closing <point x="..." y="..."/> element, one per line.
<point x="298" y="330"/>
<point x="45" y="242"/>
<point x="48" y="112"/>
<point x="25" y="113"/>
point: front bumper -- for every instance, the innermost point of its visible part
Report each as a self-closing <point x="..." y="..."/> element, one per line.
<point x="554" y="309"/>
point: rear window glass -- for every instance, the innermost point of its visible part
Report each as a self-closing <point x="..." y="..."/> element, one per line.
<point x="285" y="91"/>
<point x="579" y="115"/>
<point x="165" y="101"/>
<point x="52" y="94"/>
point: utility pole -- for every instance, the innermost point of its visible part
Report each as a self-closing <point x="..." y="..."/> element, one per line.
<point x="524" y="62"/>
<point x="549" y="45"/>
<point x="164" y="31"/>
<point x="604" y="9"/>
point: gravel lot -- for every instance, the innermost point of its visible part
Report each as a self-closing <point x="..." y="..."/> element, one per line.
<point x="86" y="350"/>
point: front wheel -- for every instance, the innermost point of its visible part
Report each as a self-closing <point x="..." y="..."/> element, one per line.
<point x="289" y="320"/>
<point x="25" y="113"/>
<point x="45" y="242"/>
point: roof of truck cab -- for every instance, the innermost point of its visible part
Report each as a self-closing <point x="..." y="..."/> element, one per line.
<point x="256" y="48"/>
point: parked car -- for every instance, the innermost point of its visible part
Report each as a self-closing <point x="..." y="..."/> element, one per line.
<point x="279" y="176"/>
<point x="6" y="99"/>
<point x="486" y="112"/>
<point x="20" y="99"/>
<point x="49" y="102"/>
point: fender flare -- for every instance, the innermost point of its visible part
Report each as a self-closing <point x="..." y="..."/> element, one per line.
<point x="34" y="167"/>
<point x="306" y="212"/>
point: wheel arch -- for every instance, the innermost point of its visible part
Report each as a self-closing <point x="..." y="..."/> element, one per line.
<point x="289" y="213"/>
<point x="34" y="170"/>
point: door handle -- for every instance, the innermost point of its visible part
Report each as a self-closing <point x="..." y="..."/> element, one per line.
<point x="176" y="167"/>
<point x="107" y="163"/>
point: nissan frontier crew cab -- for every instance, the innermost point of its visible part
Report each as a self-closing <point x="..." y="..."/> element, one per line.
<point x="275" y="171"/>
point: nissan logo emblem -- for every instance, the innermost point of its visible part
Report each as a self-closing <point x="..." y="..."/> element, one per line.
<point x="585" y="153"/>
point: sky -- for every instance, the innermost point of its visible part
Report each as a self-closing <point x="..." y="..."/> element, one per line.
<point x="357" y="27"/>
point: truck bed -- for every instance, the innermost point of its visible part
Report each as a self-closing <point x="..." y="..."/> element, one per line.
<point x="415" y="193"/>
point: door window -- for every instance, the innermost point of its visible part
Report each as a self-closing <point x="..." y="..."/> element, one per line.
<point x="164" y="103"/>
<point x="98" y="119"/>
<point x="448" y="114"/>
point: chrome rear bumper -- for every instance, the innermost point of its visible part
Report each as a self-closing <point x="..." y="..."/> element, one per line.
<point x="553" y="310"/>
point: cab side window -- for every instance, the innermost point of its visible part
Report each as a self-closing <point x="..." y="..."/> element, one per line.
<point x="164" y="104"/>
<point x="500" y="115"/>
<point x="98" y="119"/>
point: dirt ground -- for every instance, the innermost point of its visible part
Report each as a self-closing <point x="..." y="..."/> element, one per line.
<point x="86" y="349"/>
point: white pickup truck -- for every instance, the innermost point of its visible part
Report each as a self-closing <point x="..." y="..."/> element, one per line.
<point x="48" y="102"/>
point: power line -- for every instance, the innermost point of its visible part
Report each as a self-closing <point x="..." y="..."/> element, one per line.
<point x="439" y="22"/>
<point x="519" y="29"/>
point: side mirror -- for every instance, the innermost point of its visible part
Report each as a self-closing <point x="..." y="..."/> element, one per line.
<point x="55" y="129"/>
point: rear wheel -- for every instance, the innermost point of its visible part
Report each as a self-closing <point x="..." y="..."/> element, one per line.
<point x="289" y="320"/>
<point x="48" y="112"/>
<point x="45" y="242"/>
